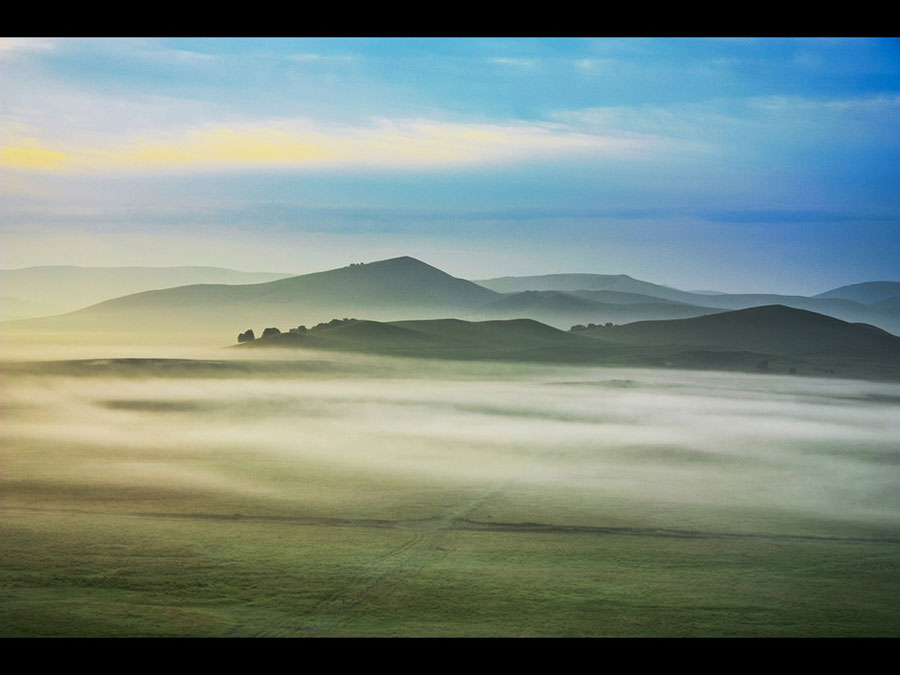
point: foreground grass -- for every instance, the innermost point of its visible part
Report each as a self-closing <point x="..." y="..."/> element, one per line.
<point x="94" y="575"/>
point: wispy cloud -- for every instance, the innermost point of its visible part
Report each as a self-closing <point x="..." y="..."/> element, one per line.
<point x="771" y="116"/>
<point x="8" y="45"/>
<point x="877" y="106"/>
<point x="516" y="62"/>
<point x="385" y="143"/>
<point x="29" y="154"/>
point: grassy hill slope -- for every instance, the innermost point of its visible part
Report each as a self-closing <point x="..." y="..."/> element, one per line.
<point x="771" y="339"/>
<point x="774" y="328"/>
<point x="518" y="339"/>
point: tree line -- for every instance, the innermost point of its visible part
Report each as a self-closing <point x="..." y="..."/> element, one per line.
<point x="248" y="335"/>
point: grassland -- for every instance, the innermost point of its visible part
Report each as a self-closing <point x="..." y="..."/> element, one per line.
<point x="350" y="496"/>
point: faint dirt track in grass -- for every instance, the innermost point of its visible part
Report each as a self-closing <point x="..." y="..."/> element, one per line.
<point x="405" y="561"/>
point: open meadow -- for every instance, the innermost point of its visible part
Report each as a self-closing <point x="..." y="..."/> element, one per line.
<point x="325" y="494"/>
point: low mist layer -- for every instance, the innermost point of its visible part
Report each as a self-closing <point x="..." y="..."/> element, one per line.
<point x="823" y="449"/>
<point x="445" y="459"/>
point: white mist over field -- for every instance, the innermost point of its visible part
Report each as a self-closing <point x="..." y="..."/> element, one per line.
<point x="565" y="445"/>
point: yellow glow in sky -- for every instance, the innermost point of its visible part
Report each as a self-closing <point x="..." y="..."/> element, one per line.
<point x="32" y="156"/>
<point x="397" y="144"/>
<point x="225" y="146"/>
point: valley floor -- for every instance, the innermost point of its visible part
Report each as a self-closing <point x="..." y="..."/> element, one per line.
<point x="350" y="496"/>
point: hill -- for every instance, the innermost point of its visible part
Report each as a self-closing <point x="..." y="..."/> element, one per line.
<point x="564" y="309"/>
<point x="402" y="288"/>
<point x="579" y="282"/>
<point x="788" y="339"/>
<point x="773" y="328"/>
<point x="841" y="303"/>
<point x="771" y="339"/>
<point x="518" y="339"/>
<point x="387" y="289"/>
<point x="866" y="293"/>
<point x="891" y="305"/>
<point x="42" y="291"/>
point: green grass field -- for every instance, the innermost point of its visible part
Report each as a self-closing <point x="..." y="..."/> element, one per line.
<point x="395" y="498"/>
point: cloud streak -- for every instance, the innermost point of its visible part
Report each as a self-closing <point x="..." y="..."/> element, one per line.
<point x="394" y="144"/>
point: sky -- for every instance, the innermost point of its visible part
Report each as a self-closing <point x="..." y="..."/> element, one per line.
<point x="739" y="165"/>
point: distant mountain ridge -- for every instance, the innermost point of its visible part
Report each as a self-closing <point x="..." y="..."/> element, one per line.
<point x="866" y="293"/>
<point x="844" y="303"/>
<point x="52" y="289"/>
<point x="585" y="282"/>
<point x="566" y="308"/>
<point x="400" y="287"/>
<point x="404" y="288"/>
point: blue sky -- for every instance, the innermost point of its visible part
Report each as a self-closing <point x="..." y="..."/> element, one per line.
<point x="740" y="165"/>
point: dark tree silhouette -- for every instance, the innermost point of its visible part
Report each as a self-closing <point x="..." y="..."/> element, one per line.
<point x="271" y="331"/>
<point x="246" y="336"/>
<point x="332" y="324"/>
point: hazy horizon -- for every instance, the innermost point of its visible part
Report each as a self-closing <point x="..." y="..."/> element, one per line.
<point x="476" y="279"/>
